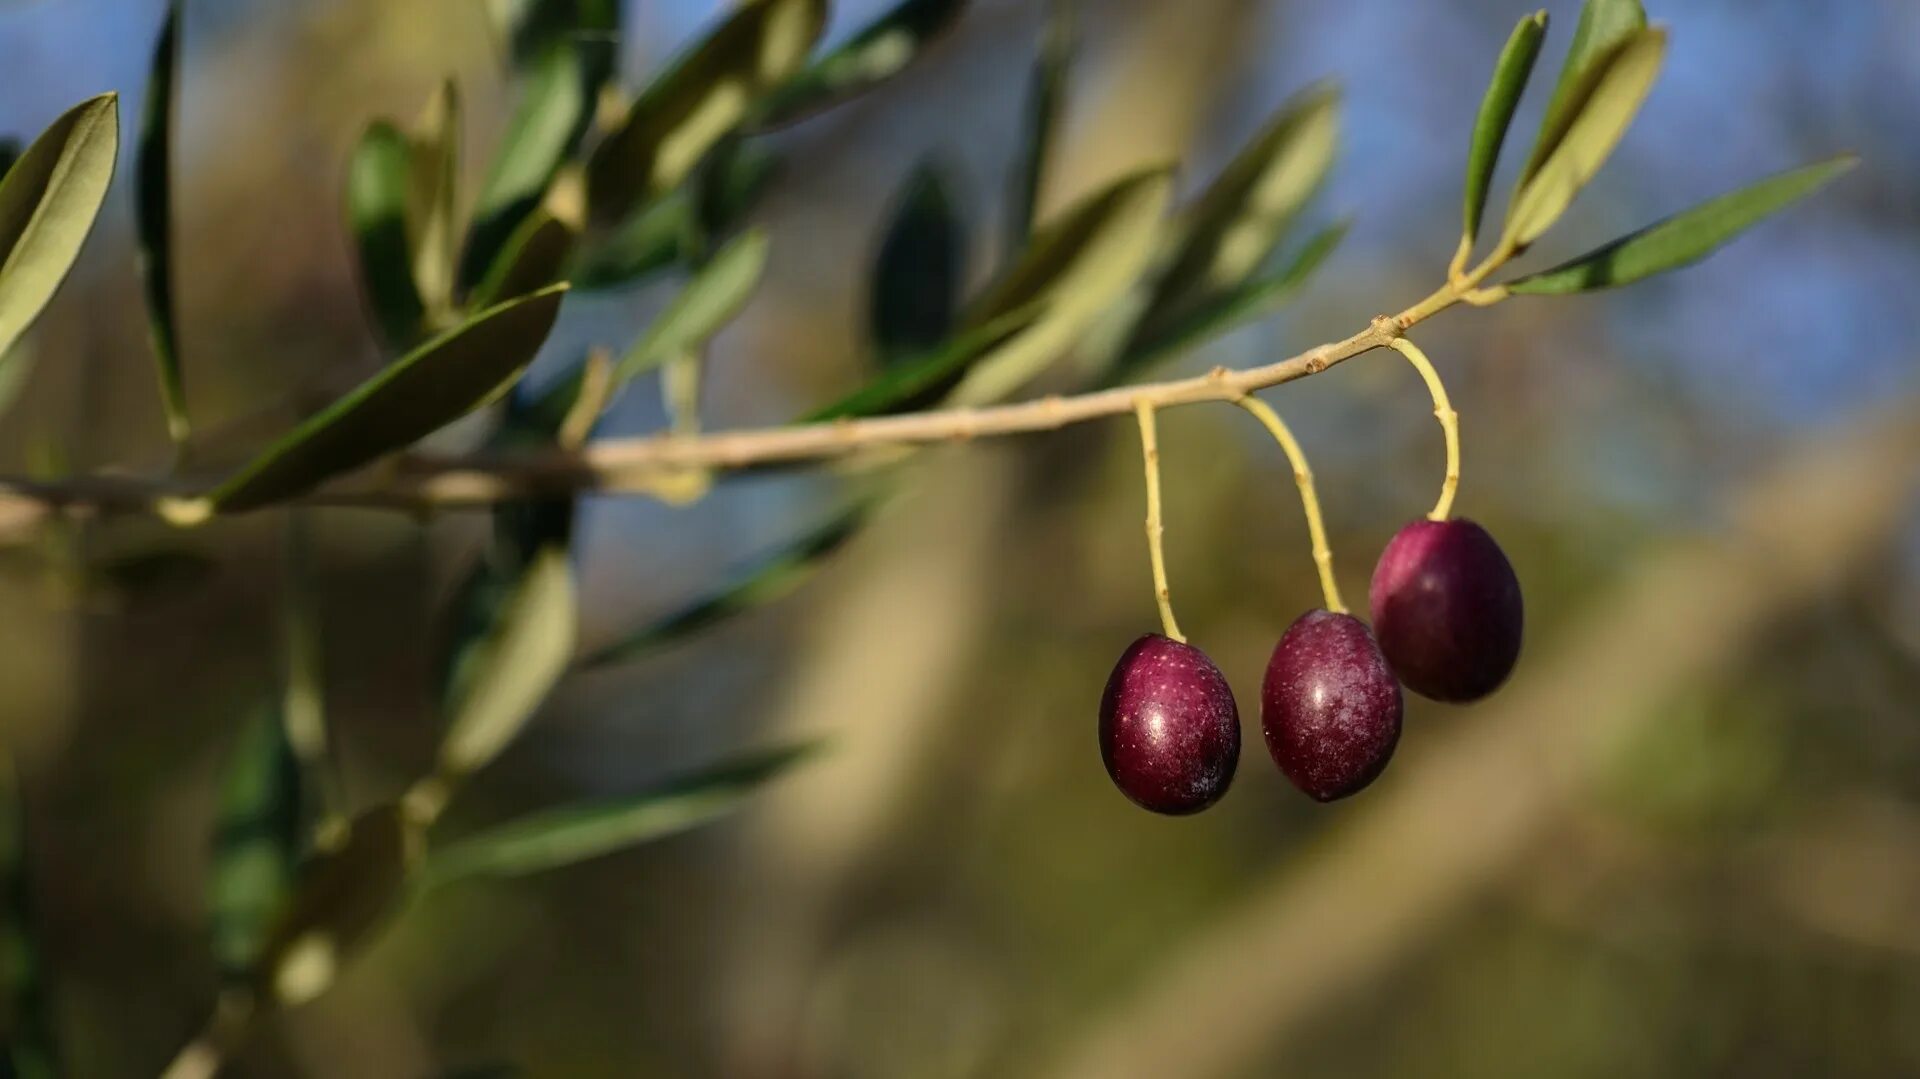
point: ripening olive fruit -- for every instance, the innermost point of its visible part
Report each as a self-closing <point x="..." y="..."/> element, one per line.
<point x="1329" y="707"/>
<point x="1446" y="607"/>
<point x="1169" y="731"/>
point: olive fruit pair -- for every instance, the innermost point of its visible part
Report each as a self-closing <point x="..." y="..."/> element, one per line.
<point x="1447" y="608"/>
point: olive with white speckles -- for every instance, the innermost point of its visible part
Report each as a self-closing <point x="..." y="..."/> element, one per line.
<point x="1330" y="706"/>
<point x="1169" y="730"/>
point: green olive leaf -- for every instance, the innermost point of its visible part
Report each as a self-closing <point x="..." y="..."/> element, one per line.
<point x="919" y="271"/>
<point x="48" y="203"/>
<point x="433" y="167"/>
<point x="1603" y="118"/>
<point x="29" y="1050"/>
<point x="342" y="893"/>
<point x="673" y="227"/>
<point x="529" y="28"/>
<point x="554" y="108"/>
<point x="1045" y="101"/>
<point x="911" y="382"/>
<point x="569" y="834"/>
<point x="1604" y="29"/>
<point x="712" y="297"/>
<point x="519" y="661"/>
<point x="258" y="839"/>
<point x="421" y="392"/>
<point x="1510" y="75"/>
<point x="1075" y="267"/>
<point x="153" y="219"/>
<point x="1684" y="238"/>
<point x="534" y="257"/>
<point x="704" y="96"/>
<point x="877" y="52"/>
<point x="9" y="153"/>
<point x="377" y="216"/>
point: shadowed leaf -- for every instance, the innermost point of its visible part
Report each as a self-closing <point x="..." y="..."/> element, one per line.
<point x="676" y="226"/>
<point x="257" y="841"/>
<point x="553" y="111"/>
<point x="1045" y="102"/>
<point x="1684" y="238"/>
<point x="1510" y="74"/>
<point x="510" y="671"/>
<point x="9" y="153"/>
<point x="153" y="218"/>
<point x="341" y="894"/>
<point x="48" y="203"/>
<point x="1604" y="29"/>
<point x="575" y="833"/>
<point x="534" y="257"/>
<point x="29" y="1050"/>
<point x="432" y="386"/>
<point x="377" y="214"/>
<point x="919" y="271"/>
<point x="877" y="52"/>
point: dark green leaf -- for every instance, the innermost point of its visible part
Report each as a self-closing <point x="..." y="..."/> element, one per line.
<point x="1496" y="114"/>
<point x="1684" y="238"/>
<point x="432" y="386"/>
<point x="1605" y="28"/>
<point x="709" y="301"/>
<point x="141" y="573"/>
<point x="672" y="227"/>
<point x="509" y="672"/>
<point x="1604" y="117"/>
<point x="29" y="1050"/>
<point x="532" y="27"/>
<point x="9" y="153"/>
<point x="258" y="840"/>
<point x="701" y="99"/>
<point x="48" y="202"/>
<point x="554" y="109"/>
<point x="534" y="257"/>
<point x="912" y="382"/>
<point x="919" y="271"/>
<point x="575" y="833"/>
<point x="879" y="51"/>
<point x="341" y="894"/>
<point x="1045" y="102"/>
<point x="772" y="577"/>
<point x="377" y="214"/>
<point x="153" y="216"/>
<point x="1252" y="299"/>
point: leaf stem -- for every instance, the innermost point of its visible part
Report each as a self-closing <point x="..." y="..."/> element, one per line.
<point x="1449" y="423"/>
<point x="1150" y="455"/>
<point x="1309" y="501"/>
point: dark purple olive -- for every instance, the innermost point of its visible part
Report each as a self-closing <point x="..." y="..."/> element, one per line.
<point x="1446" y="606"/>
<point x="1169" y="731"/>
<point x="1330" y="707"/>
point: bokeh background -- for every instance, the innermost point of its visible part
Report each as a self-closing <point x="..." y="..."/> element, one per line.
<point x="1685" y="841"/>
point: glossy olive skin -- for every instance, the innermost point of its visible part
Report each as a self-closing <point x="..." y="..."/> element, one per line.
<point x="1169" y="730"/>
<point x="1446" y="607"/>
<point x="1330" y="707"/>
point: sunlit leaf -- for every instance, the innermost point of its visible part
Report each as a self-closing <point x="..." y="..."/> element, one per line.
<point x="552" y="113"/>
<point x="153" y="218"/>
<point x="341" y="894"/>
<point x="877" y="52"/>
<point x="1253" y="298"/>
<point x="534" y="257"/>
<point x="524" y="654"/>
<point x="575" y="833"/>
<point x="29" y="1050"/>
<point x="1604" y="29"/>
<point x="377" y="214"/>
<point x="911" y="382"/>
<point x="258" y="839"/>
<point x="48" y="202"/>
<point x="1044" y="103"/>
<point x="414" y="396"/>
<point x="674" y="227"/>
<point x="433" y="167"/>
<point x="1078" y="264"/>
<point x="1596" y="130"/>
<point x="710" y="300"/>
<point x="919" y="271"/>
<point x="705" y="95"/>
<point x="1684" y="238"/>
<point x="1510" y="74"/>
<point x="771" y="577"/>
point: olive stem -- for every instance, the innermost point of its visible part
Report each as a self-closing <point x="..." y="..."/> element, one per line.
<point x="1150" y="455"/>
<point x="1449" y="424"/>
<point x="1309" y="501"/>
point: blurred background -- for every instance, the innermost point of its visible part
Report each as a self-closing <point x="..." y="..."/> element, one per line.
<point x="1684" y="841"/>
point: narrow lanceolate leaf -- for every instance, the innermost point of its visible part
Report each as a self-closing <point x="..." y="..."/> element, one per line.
<point x="1251" y="299"/>
<point x="675" y="226"/>
<point x="772" y="577"/>
<point x="1685" y="238"/>
<point x="877" y="52"/>
<point x="711" y="299"/>
<point x="28" y="1050"/>
<point x="918" y="273"/>
<point x="529" y="28"/>
<point x="552" y="113"/>
<point x="1510" y="74"/>
<point x="416" y="395"/>
<point x="340" y="895"/>
<point x="258" y="839"/>
<point x="1236" y="223"/>
<point x="1604" y="117"/>
<point x="377" y="214"/>
<point x="433" y="165"/>
<point x="47" y="205"/>
<point x="916" y="381"/>
<point x="1076" y="266"/>
<point x="524" y="655"/>
<point x="153" y="216"/>
<point x="575" y="833"/>
<point x="534" y="257"/>
<point x="705" y="96"/>
<point x="1605" y="28"/>
<point x="1045" y="102"/>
